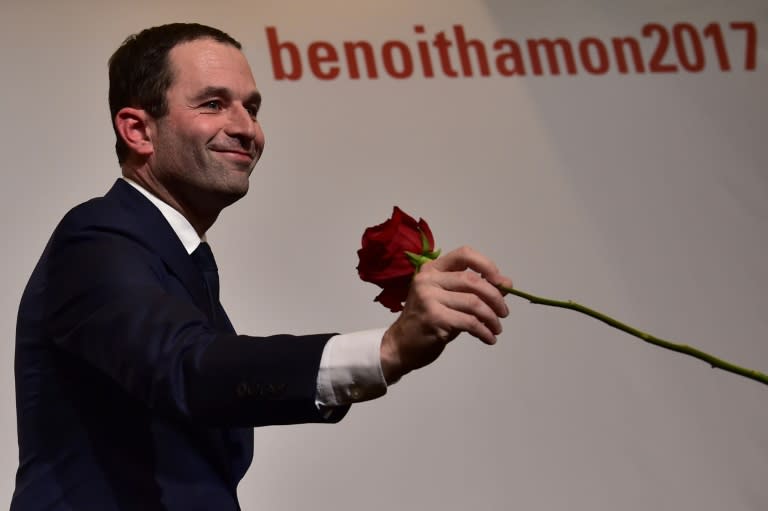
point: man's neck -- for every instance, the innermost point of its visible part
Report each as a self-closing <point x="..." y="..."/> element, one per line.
<point x="180" y="225"/>
<point x="199" y="220"/>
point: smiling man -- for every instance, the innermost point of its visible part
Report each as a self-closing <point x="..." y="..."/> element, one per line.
<point x="199" y="155"/>
<point x="134" y="392"/>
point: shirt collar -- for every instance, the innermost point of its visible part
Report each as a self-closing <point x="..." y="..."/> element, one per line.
<point x="180" y="225"/>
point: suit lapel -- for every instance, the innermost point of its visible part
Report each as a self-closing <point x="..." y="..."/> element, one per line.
<point x="153" y="230"/>
<point x="231" y="448"/>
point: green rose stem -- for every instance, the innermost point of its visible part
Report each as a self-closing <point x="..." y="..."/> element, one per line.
<point x="419" y="259"/>
<point x="680" y="348"/>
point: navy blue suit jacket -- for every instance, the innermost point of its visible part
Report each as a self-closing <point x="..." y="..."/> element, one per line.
<point x="131" y="393"/>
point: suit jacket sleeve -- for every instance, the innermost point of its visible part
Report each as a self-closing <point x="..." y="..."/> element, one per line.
<point x="112" y="302"/>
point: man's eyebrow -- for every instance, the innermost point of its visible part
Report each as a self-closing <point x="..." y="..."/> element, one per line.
<point x="212" y="91"/>
<point x="254" y="99"/>
<point x="223" y="92"/>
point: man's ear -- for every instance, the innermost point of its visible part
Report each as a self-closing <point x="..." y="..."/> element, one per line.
<point x="134" y="126"/>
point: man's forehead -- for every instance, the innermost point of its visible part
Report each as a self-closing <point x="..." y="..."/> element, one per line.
<point x="201" y="62"/>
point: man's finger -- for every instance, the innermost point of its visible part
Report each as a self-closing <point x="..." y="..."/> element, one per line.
<point x="465" y="258"/>
<point x="466" y="282"/>
<point x="473" y="326"/>
<point x="472" y="305"/>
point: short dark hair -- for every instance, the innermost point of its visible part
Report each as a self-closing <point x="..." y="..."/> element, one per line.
<point x="140" y="74"/>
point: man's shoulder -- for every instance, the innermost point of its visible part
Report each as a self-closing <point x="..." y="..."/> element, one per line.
<point x="120" y="222"/>
<point x="116" y="208"/>
<point x="121" y="226"/>
<point x="122" y="212"/>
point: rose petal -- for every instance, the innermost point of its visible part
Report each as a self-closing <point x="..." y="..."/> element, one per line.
<point x="383" y="260"/>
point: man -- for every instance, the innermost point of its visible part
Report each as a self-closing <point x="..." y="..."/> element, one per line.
<point x="133" y="389"/>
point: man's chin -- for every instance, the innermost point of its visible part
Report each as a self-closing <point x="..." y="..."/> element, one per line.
<point x="236" y="180"/>
<point x="235" y="191"/>
<point x="221" y="195"/>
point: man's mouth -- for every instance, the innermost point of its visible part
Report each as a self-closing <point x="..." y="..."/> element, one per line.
<point x="236" y="154"/>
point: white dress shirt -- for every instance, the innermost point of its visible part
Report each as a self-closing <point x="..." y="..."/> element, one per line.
<point x="350" y="367"/>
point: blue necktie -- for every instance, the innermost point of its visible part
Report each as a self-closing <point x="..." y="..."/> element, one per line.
<point x="234" y="438"/>
<point x="204" y="260"/>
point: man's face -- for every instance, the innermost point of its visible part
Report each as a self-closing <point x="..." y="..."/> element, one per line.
<point x="208" y="143"/>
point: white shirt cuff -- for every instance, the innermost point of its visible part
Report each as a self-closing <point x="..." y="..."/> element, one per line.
<point x="350" y="369"/>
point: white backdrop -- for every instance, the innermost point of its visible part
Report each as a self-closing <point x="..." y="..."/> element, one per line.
<point x="642" y="194"/>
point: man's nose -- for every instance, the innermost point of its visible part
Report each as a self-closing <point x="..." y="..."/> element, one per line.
<point x="241" y="123"/>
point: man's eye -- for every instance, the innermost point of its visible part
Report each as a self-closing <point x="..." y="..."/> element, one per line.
<point x="213" y="105"/>
<point x="253" y="111"/>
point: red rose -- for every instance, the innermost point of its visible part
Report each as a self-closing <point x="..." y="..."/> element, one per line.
<point x="384" y="260"/>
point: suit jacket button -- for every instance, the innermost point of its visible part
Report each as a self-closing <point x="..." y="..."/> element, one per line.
<point x="243" y="390"/>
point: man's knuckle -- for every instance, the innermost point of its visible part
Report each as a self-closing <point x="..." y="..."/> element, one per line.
<point x="473" y="301"/>
<point x="420" y="278"/>
<point x="477" y="326"/>
<point x="465" y="250"/>
<point x="431" y="311"/>
<point x="428" y="266"/>
<point x="472" y="278"/>
<point x="419" y="284"/>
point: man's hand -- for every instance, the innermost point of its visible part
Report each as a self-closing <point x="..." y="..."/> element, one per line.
<point x="453" y="294"/>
